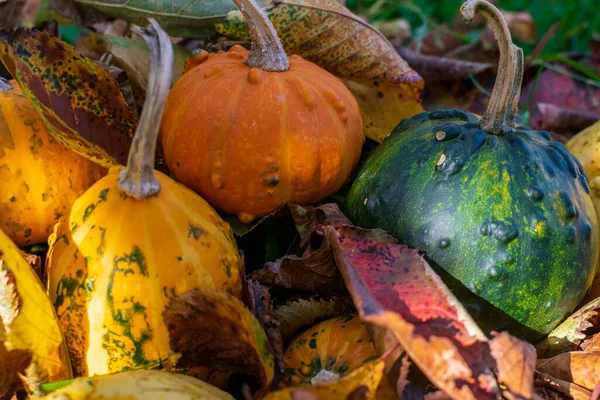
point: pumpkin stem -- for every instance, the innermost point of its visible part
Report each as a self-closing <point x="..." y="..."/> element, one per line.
<point x="138" y="179"/>
<point x="500" y="115"/>
<point x="267" y="52"/>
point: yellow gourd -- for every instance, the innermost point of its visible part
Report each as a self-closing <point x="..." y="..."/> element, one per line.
<point x="40" y="178"/>
<point x="132" y="242"/>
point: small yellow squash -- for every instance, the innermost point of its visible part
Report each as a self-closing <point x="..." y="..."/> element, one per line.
<point x="133" y="241"/>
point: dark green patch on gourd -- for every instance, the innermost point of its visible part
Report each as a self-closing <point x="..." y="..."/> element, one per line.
<point x="12" y="199"/>
<point x="123" y="316"/>
<point x="136" y="257"/>
<point x="509" y="216"/>
<point x="100" y="249"/>
<point x="345" y="318"/>
<point x="195" y="231"/>
<point x="312" y="344"/>
<point x="67" y="287"/>
<point x="91" y="207"/>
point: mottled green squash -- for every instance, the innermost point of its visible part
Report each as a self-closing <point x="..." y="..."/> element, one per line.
<point x="505" y="211"/>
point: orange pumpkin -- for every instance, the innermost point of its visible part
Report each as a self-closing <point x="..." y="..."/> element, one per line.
<point x="250" y="131"/>
<point x="131" y="242"/>
<point x="40" y="176"/>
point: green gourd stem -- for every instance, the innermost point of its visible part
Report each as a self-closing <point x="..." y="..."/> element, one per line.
<point x="138" y="179"/>
<point x="5" y="85"/>
<point x="52" y="386"/>
<point x="266" y="52"/>
<point x="501" y="112"/>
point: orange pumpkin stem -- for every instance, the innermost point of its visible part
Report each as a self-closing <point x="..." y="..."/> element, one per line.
<point x="4" y="85"/>
<point x="500" y="115"/>
<point x="267" y="52"/>
<point x="138" y="179"/>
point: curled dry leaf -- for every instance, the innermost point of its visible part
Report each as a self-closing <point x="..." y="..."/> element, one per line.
<point x="215" y="329"/>
<point x="579" y="367"/>
<point x="314" y="271"/>
<point x="437" y="69"/>
<point x="558" y="119"/>
<point x="260" y="304"/>
<point x="301" y="313"/>
<point x="29" y="326"/>
<point x="515" y="362"/>
<point x="133" y="57"/>
<point x="564" y="389"/>
<point x="360" y="384"/>
<point x="79" y="101"/>
<point x="325" y="214"/>
<point x="563" y="91"/>
<point x="393" y="287"/>
<point x="14" y="363"/>
<point x="570" y="333"/>
<point x="328" y="34"/>
<point x="35" y="262"/>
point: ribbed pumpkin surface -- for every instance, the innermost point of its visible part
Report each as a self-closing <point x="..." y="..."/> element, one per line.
<point x="115" y="262"/>
<point x="248" y="140"/>
<point x="40" y="178"/>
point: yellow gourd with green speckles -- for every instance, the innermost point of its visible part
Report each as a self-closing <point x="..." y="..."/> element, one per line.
<point x="329" y="350"/>
<point x="133" y="241"/>
<point x="40" y="178"/>
<point x="586" y="147"/>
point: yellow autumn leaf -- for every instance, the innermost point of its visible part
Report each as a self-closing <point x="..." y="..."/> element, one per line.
<point x="328" y="34"/>
<point x="28" y="321"/>
<point x="362" y="383"/>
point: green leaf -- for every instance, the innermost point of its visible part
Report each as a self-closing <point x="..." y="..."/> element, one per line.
<point x="191" y="18"/>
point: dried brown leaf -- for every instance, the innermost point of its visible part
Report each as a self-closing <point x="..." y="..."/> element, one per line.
<point x="515" y="362"/>
<point x="403" y="381"/>
<point x="579" y="367"/>
<point x="435" y="69"/>
<point x="592" y="344"/>
<point x="328" y="34"/>
<point x="315" y="270"/>
<point x="566" y="390"/>
<point x="301" y="313"/>
<point x="570" y="333"/>
<point x="325" y="214"/>
<point x="215" y="329"/>
<point x="35" y="262"/>
<point x="558" y="119"/>
<point x="12" y="363"/>
<point x="260" y="304"/>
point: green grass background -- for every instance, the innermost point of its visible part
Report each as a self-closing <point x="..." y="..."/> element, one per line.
<point x="579" y="19"/>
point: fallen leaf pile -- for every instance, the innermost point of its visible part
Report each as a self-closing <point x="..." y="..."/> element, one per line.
<point x="313" y="264"/>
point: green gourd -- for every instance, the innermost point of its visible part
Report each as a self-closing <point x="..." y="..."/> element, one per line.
<point x="502" y="212"/>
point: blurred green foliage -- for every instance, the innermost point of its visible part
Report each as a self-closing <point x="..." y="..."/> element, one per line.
<point x="579" y="19"/>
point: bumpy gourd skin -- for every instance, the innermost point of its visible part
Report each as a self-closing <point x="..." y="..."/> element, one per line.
<point x="508" y="216"/>
<point x="115" y="262"/>
<point x="39" y="177"/>
<point x="249" y="140"/>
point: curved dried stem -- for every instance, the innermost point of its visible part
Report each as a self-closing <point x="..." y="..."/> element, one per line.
<point x="501" y="112"/>
<point x="267" y="52"/>
<point x="138" y="179"/>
